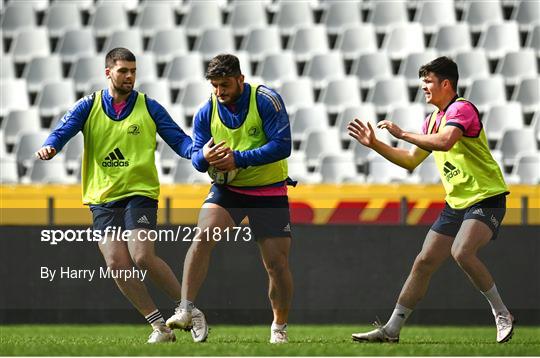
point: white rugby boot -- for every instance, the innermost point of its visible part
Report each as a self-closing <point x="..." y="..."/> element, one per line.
<point x="161" y="335"/>
<point x="505" y="327"/>
<point x="199" y="330"/>
<point x="378" y="335"/>
<point x="279" y="336"/>
<point x="181" y="319"/>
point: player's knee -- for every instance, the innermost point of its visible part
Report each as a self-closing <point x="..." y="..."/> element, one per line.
<point x="117" y="263"/>
<point x="461" y="256"/>
<point x="277" y="266"/>
<point x="424" y="263"/>
<point x="142" y="259"/>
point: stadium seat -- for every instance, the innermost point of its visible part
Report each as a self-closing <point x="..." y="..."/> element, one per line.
<point x="527" y="93"/>
<point x="533" y="40"/>
<point x="128" y="5"/>
<point x="73" y="152"/>
<point x="370" y="67"/>
<point x="526" y="170"/>
<point x="30" y="43"/>
<point x="297" y="169"/>
<point x="76" y="44"/>
<point x="409" y="117"/>
<point x="499" y="39"/>
<point x="324" y="67"/>
<point x="307" y="119"/>
<point x="18" y="122"/>
<point x="517" y="65"/>
<point x="158" y="90"/>
<point x="452" y="39"/>
<point x="194" y="95"/>
<point x="13" y="95"/>
<point x="277" y="67"/>
<point x="427" y="172"/>
<point x="434" y="14"/>
<point x="197" y="177"/>
<point x="412" y="63"/>
<point x="215" y="41"/>
<point x="48" y="172"/>
<point x="146" y="67"/>
<point x="535" y="125"/>
<point x="364" y="112"/>
<point x="61" y="17"/>
<point x="291" y="15"/>
<point x="155" y="17"/>
<point x="130" y="39"/>
<point x="472" y="65"/>
<point x="261" y="41"/>
<point x="54" y="97"/>
<point x="387" y="13"/>
<point x="479" y="14"/>
<point x="17" y="17"/>
<point x="339" y="169"/>
<point x="182" y="170"/>
<point x="184" y="68"/>
<point x="8" y="171"/>
<point x="297" y="93"/>
<point x="319" y="143"/>
<point x="245" y="16"/>
<point x="27" y="145"/>
<point x="41" y="70"/>
<point x="308" y="41"/>
<point x="7" y="68"/>
<point x="485" y="92"/>
<point x="526" y="14"/>
<point x="388" y="92"/>
<point x="515" y="142"/>
<point x="85" y="70"/>
<point x="502" y="117"/>
<point x="381" y="170"/>
<point x="201" y="16"/>
<point x="340" y="93"/>
<point x="341" y="14"/>
<point x="169" y="160"/>
<point x="88" y="5"/>
<point x="108" y="18"/>
<point x="166" y="44"/>
<point x="357" y="40"/>
<point x="402" y="40"/>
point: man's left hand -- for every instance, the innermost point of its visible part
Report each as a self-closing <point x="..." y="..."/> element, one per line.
<point x="392" y="128"/>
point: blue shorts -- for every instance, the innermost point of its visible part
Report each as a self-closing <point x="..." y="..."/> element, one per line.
<point x="269" y="216"/>
<point x="134" y="212"/>
<point x="490" y="211"/>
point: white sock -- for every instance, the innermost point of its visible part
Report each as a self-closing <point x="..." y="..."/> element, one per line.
<point x="155" y="319"/>
<point x="495" y="301"/>
<point x="186" y="305"/>
<point x="279" y="327"/>
<point x="397" y="320"/>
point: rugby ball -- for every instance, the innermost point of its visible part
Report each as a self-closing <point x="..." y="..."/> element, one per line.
<point x="220" y="177"/>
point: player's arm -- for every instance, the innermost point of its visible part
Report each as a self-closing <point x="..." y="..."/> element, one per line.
<point x="365" y="135"/>
<point x="442" y="141"/>
<point x="69" y="125"/>
<point x="277" y="129"/>
<point x="167" y="129"/>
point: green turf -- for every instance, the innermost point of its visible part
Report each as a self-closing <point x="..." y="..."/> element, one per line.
<point x="305" y="340"/>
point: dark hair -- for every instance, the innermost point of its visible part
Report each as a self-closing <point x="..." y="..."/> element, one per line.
<point x="223" y="65"/>
<point x="118" y="54"/>
<point x="444" y="68"/>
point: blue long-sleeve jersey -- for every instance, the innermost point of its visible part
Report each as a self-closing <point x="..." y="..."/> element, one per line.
<point x="73" y="121"/>
<point x="275" y="122"/>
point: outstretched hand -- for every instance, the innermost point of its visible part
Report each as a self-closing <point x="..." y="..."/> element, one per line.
<point x="363" y="133"/>
<point x="391" y="127"/>
<point x="46" y="153"/>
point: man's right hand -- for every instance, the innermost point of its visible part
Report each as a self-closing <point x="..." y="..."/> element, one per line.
<point x="213" y="152"/>
<point x="46" y="153"/>
<point x="364" y="134"/>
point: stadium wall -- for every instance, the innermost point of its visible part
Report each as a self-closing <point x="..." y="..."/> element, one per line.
<point x="343" y="274"/>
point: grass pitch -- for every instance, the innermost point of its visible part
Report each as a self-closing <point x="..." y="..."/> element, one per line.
<point x="305" y="340"/>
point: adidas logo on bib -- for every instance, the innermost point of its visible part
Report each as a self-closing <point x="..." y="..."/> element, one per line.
<point x="115" y="159"/>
